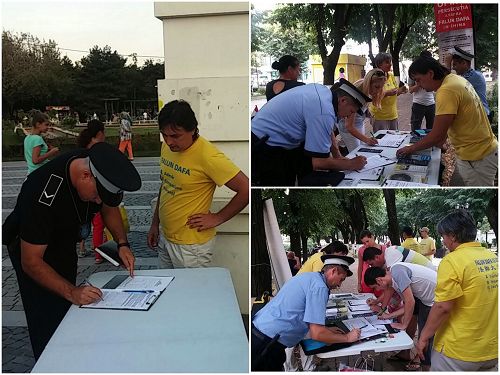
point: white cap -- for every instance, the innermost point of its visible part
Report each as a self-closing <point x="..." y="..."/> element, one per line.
<point x="356" y="94"/>
<point x="462" y="53"/>
<point x="336" y="261"/>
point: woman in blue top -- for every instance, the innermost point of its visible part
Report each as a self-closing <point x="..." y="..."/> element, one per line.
<point x="36" y="151"/>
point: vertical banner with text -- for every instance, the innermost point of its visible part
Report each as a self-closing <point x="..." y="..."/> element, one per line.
<point x="454" y="28"/>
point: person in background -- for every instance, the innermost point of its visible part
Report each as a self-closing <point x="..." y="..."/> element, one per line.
<point x="314" y="262"/>
<point x="293" y="262"/>
<point x="461" y="117"/>
<point x="352" y="128"/>
<point x="36" y="151"/>
<point x="409" y="240"/>
<point x="289" y="68"/>
<point x="368" y="240"/>
<point x="423" y="105"/>
<point x="126" y="134"/>
<point x="182" y="228"/>
<point x="461" y="62"/>
<point x="427" y="244"/>
<point x="464" y="317"/>
<point x="386" y="116"/>
<point x="342" y="73"/>
<point x="92" y="134"/>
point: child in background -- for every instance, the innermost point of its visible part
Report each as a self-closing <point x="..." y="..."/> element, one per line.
<point x="36" y="151"/>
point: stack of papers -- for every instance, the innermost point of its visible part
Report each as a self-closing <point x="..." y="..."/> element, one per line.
<point x="391" y="140"/>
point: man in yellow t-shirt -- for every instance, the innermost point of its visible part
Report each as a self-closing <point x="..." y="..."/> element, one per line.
<point x="464" y="317"/>
<point x="409" y="242"/>
<point x="314" y="262"/>
<point x="191" y="168"/>
<point x="427" y="245"/>
<point x="461" y="117"/>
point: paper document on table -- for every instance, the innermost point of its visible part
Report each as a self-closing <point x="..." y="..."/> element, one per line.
<point x="127" y="293"/>
<point x="391" y="140"/>
<point x="372" y="174"/>
<point x="367" y="330"/>
<point x="397" y="183"/>
<point x="376" y="161"/>
<point x="118" y="299"/>
<point x="374" y="320"/>
<point x="357" y="302"/>
<point x="157" y="283"/>
<point x="363" y="307"/>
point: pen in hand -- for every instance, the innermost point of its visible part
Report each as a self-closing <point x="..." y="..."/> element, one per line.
<point x="88" y="282"/>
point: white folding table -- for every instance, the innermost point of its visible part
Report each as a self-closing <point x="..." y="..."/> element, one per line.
<point x="398" y="341"/>
<point x="390" y="152"/>
<point x="194" y="326"/>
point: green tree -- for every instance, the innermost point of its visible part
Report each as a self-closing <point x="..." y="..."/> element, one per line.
<point x="33" y="74"/>
<point x="485" y="17"/>
<point x="329" y="25"/>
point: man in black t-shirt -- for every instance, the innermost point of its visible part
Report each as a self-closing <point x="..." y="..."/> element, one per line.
<point x="52" y="213"/>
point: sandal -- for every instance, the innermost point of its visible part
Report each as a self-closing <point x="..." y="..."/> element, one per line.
<point x="413" y="365"/>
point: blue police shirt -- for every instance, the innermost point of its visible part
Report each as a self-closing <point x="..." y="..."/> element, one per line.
<point x="477" y="81"/>
<point x="301" y="301"/>
<point x="302" y="114"/>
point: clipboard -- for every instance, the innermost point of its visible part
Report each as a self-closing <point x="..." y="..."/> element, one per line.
<point x="121" y="294"/>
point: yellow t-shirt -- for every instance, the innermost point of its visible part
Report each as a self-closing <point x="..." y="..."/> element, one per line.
<point x="470" y="133"/>
<point x="412" y="244"/>
<point x="469" y="276"/>
<point x="426" y="245"/>
<point x="388" y="109"/>
<point x="189" y="179"/>
<point x="313" y="263"/>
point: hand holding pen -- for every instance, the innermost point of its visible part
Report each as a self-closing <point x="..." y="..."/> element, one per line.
<point x="84" y="294"/>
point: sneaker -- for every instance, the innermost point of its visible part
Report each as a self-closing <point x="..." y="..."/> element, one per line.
<point x="82" y="254"/>
<point x="98" y="260"/>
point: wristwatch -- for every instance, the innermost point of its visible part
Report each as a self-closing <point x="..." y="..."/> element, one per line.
<point x="123" y="244"/>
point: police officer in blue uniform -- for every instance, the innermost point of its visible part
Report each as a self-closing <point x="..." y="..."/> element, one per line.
<point x="53" y="212"/>
<point x="292" y="134"/>
<point x="462" y="64"/>
<point x="299" y="307"/>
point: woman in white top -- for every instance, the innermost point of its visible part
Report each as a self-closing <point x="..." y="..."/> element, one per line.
<point x="352" y="129"/>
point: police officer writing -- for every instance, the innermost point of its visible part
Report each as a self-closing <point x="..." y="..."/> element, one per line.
<point x="52" y="213"/>
<point x="299" y="307"/>
<point x="292" y="134"/>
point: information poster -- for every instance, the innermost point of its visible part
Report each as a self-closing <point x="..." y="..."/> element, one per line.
<point x="454" y="28"/>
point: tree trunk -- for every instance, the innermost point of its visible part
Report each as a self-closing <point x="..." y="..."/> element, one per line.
<point x="295" y="242"/>
<point x="492" y="214"/>
<point x="304" y="252"/>
<point x="261" y="265"/>
<point x="390" y="203"/>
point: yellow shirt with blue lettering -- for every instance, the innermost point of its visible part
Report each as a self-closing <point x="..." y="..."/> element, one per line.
<point x="470" y="133"/>
<point x="469" y="276"/>
<point x="188" y="180"/>
<point x="389" y="104"/>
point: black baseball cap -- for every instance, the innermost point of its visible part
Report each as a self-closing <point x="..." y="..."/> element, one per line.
<point x="113" y="173"/>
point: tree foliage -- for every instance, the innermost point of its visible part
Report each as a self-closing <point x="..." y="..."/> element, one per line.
<point x="35" y="76"/>
<point x="485" y="18"/>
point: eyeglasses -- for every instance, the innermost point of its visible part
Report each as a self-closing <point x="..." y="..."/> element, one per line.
<point x="379" y="73"/>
